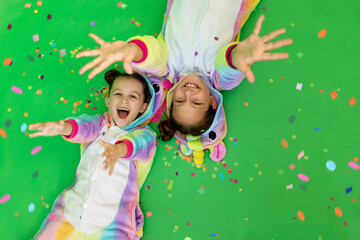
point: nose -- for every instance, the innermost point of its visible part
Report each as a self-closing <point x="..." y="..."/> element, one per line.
<point x="124" y="100"/>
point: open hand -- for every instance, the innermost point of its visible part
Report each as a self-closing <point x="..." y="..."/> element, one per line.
<point x="112" y="153"/>
<point x="255" y="49"/>
<point x="48" y="128"/>
<point x="109" y="53"/>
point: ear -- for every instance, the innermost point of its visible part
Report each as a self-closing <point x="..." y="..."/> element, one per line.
<point x="107" y="101"/>
<point x="213" y="102"/>
<point x="144" y="106"/>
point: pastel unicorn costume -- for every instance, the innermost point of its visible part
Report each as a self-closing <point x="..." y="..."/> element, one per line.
<point x="98" y="206"/>
<point x="195" y="39"/>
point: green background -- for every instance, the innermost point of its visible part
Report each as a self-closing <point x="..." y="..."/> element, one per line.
<point x="209" y="205"/>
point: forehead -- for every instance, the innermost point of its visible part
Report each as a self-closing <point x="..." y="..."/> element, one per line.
<point x="130" y="83"/>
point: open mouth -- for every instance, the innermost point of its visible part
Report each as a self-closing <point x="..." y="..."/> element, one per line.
<point x="122" y="113"/>
<point x="191" y="85"/>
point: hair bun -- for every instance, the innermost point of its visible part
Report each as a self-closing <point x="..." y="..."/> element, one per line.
<point x="166" y="130"/>
<point x="111" y="75"/>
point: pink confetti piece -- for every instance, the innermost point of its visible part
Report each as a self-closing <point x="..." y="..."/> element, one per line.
<point x="36" y="150"/>
<point x="119" y="4"/>
<point x="39" y="3"/>
<point x="35" y="37"/>
<point x="354" y="165"/>
<point x="5" y="198"/>
<point x="301" y="155"/>
<point x="52" y="216"/>
<point x="303" y="177"/>
<point x="292" y="166"/>
<point x="16" y="90"/>
<point x="27" y="5"/>
<point x="149" y="214"/>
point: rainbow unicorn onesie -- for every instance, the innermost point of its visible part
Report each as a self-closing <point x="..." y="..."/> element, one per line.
<point x="98" y="206"/>
<point x="197" y="37"/>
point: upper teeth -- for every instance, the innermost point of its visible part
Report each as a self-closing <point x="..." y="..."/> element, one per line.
<point x="191" y="85"/>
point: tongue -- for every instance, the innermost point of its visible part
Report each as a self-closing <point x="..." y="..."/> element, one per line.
<point x="123" y="114"/>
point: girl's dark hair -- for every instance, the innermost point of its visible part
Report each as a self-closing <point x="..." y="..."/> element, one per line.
<point x="168" y="127"/>
<point x="113" y="74"/>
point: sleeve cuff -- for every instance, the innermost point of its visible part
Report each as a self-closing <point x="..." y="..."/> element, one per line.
<point x="143" y="47"/>
<point x="129" y="146"/>
<point x="75" y="129"/>
<point x="228" y="56"/>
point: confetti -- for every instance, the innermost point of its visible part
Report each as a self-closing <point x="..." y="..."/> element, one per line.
<point x="299" y="86"/>
<point x="27" y="5"/>
<point x="338" y="212"/>
<point x="301" y="215"/>
<point x="290" y="186"/>
<point x="330" y="165"/>
<point x="9" y="27"/>
<point x="62" y="52"/>
<point x="300" y="155"/>
<point x="348" y="190"/>
<point x="7" y="62"/>
<point x="317" y="129"/>
<point x="284" y="143"/>
<point x="8" y="123"/>
<point x="92" y="24"/>
<point x="222" y="176"/>
<point x="192" y="174"/>
<point x="333" y="95"/>
<point x="352" y="101"/>
<point x="35" y="150"/>
<point x="292" y="166"/>
<point x="35" y="174"/>
<point x="39" y="3"/>
<point x="322" y="33"/>
<point x="170" y="185"/>
<point x="5" y="198"/>
<point x="16" y="90"/>
<point x="2" y="133"/>
<point x="354" y="165"/>
<point x="52" y="216"/>
<point x="35" y="37"/>
<point x="149" y="214"/>
<point x="48" y="16"/>
<point x="31" y="207"/>
<point x="291" y="119"/>
<point x="303" y="177"/>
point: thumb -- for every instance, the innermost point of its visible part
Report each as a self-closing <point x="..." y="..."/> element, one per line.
<point x="249" y="74"/>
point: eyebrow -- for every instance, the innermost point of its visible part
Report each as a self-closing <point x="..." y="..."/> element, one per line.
<point x="130" y="92"/>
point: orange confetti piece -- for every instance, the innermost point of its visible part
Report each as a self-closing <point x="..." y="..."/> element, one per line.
<point x="26" y="114"/>
<point x="2" y="133"/>
<point x="338" y="212"/>
<point x="355" y="159"/>
<point x="284" y="143"/>
<point x="301" y="215"/>
<point x="246" y="104"/>
<point x="333" y="95"/>
<point x="352" y="101"/>
<point x="7" y="61"/>
<point x="322" y="33"/>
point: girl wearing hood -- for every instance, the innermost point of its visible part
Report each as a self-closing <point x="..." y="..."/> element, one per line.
<point x="103" y="202"/>
<point x="199" y="52"/>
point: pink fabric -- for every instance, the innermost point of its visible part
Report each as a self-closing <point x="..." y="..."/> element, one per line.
<point x="74" y="131"/>
<point x="228" y="55"/>
<point x="129" y="145"/>
<point x="143" y="47"/>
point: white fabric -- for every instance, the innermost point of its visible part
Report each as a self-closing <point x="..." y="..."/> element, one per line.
<point x="95" y="190"/>
<point x="192" y="27"/>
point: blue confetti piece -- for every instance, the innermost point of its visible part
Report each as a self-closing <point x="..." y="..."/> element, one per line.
<point x="235" y="143"/>
<point x="213" y="235"/>
<point x="302" y="187"/>
<point x="291" y="119"/>
<point x="31" y="207"/>
<point x="222" y="176"/>
<point x="53" y="45"/>
<point x="23" y="127"/>
<point x="348" y="190"/>
<point x="317" y="129"/>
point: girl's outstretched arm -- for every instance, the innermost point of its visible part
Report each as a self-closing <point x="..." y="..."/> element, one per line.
<point x="109" y="53"/>
<point x="256" y="48"/>
<point x="51" y="129"/>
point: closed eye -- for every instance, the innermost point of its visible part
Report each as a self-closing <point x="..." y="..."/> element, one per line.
<point x="179" y="101"/>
